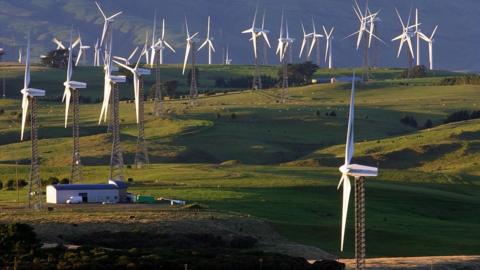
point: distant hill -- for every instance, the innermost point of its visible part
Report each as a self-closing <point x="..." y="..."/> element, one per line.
<point x="455" y="46"/>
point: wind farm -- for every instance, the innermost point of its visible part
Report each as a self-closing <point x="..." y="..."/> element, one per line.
<point x="201" y="150"/>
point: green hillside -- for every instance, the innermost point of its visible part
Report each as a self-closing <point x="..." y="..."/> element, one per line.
<point x="245" y="152"/>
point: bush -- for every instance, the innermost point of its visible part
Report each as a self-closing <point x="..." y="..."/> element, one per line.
<point x="469" y="79"/>
<point x="428" y="124"/>
<point x="17" y="239"/>
<point x="130" y="180"/>
<point x="233" y="116"/>
<point x="409" y="121"/>
<point x="65" y="181"/>
<point x="52" y="181"/>
<point x="1" y="185"/>
<point x="2" y="111"/>
<point x="457" y="117"/>
<point x="415" y="72"/>
<point x="22" y="183"/>
<point x="11" y="184"/>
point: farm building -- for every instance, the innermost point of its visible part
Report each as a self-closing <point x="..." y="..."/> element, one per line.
<point x="113" y="192"/>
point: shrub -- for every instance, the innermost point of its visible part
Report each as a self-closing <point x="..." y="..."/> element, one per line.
<point x="65" y="181"/>
<point x="17" y="239"/>
<point x="457" y="117"/>
<point x="428" y="124"/>
<point x="332" y="113"/>
<point x="52" y="180"/>
<point x="1" y="185"/>
<point x="11" y="184"/>
<point x="130" y="180"/>
<point x="2" y="111"/>
<point x="415" y="72"/>
<point x="409" y="121"/>
<point x="233" y="116"/>
<point x="22" y="183"/>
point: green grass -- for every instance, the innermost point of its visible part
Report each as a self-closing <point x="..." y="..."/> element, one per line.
<point x="424" y="202"/>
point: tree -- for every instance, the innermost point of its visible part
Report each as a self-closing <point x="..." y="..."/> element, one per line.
<point x="1" y="185"/>
<point x="17" y="239"/>
<point x="300" y="74"/>
<point x="56" y="59"/>
<point x="11" y="184"/>
<point x="65" y="181"/>
<point x="428" y="124"/>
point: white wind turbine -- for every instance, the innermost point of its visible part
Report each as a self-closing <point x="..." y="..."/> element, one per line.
<point x="147" y="54"/>
<point x="430" y="41"/>
<point x="126" y="61"/>
<point x="263" y="33"/>
<point x="315" y="39"/>
<point x="306" y="39"/>
<point x="162" y="44"/>
<point x="329" y="46"/>
<point x="406" y="36"/>
<point x="208" y="42"/>
<point x="417" y="33"/>
<point x="96" y="56"/>
<point x="107" y="22"/>
<point x="82" y="51"/>
<point x="154" y="40"/>
<point x="253" y="31"/>
<point x="69" y="84"/>
<point x="281" y="40"/>
<point x="348" y="169"/>
<point x="109" y="79"/>
<point x="228" y="60"/>
<point x="59" y="44"/>
<point x="27" y="92"/>
<point x="137" y="73"/>
<point x="365" y="18"/>
<point x="191" y="39"/>
<point x="20" y="56"/>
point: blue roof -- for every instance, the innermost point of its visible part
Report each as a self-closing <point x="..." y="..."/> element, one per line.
<point x="119" y="184"/>
<point x="85" y="187"/>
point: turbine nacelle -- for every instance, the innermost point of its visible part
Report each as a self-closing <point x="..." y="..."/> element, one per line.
<point x="32" y="92"/>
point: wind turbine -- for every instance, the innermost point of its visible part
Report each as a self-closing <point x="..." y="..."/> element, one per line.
<point x="96" y="56"/>
<point x="29" y="99"/>
<point x="253" y="31"/>
<point x="305" y="41"/>
<point x="162" y="43"/>
<point x="59" y="44"/>
<point x="126" y="61"/>
<point x="263" y="33"/>
<point x="329" y="46"/>
<point x="20" y="56"/>
<point x="430" y="41"/>
<point x="154" y="40"/>
<point x="159" y="47"/>
<point x="82" y="51"/>
<point x="147" y="54"/>
<point x="107" y="22"/>
<point x="208" y="42"/>
<point x="315" y="41"/>
<point x="190" y="49"/>
<point x="281" y="41"/>
<point x="417" y="33"/>
<point x="72" y="87"/>
<point x="406" y="36"/>
<point x="365" y="32"/>
<point x="141" y="155"/>
<point x="359" y="172"/>
<point x="228" y="60"/>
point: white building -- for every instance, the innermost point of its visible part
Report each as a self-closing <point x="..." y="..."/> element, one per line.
<point x="113" y="192"/>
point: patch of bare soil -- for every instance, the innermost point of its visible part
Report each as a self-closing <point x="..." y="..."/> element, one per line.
<point x="73" y="221"/>
<point x="421" y="263"/>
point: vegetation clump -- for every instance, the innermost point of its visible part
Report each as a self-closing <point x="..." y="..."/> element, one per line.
<point x="409" y="121"/>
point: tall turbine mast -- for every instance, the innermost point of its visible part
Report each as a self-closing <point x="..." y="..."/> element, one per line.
<point x="72" y="87"/>
<point x="190" y="51"/>
<point x="254" y="31"/>
<point x="29" y="100"/>
<point x="208" y="42"/>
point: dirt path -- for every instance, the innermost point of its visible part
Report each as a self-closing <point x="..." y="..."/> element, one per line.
<point x="421" y="263"/>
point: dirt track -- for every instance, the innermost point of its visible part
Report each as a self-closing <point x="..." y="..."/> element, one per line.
<point x="421" y="263"/>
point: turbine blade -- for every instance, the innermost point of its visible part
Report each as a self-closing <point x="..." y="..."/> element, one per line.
<point x="187" y="53"/>
<point x="349" y="146"/>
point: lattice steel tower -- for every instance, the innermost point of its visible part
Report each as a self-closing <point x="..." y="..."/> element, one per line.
<point x="141" y="155"/>
<point x="193" y="78"/>
<point x="157" y="103"/>
<point x="35" y="191"/>
<point x="116" y="161"/>
<point x="76" y="175"/>
<point x="360" y="245"/>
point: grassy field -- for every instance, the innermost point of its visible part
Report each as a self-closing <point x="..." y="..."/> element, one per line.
<point x="284" y="158"/>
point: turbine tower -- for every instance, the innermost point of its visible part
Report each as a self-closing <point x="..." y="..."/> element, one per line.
<point x="72" y="87"/>
<point x="315" y="42"/>
<point x="190" y="51"/>
<point x="430" y="41"/>
<point x="253" y="31"/>
<point x="208" y="42"/>
<point x="329" y="47"/>
<point x="111" y="96"/>
<point x="365" y="33"/>
<point x="282" y="49"/>
<point x="29" y="99"/>
<point x="96" y="56"/>
<point x="141" y="154"/>
<point x="359" y="172"/>
<point x="228" y="60"/>
<point x="159" y="47"/>
<point x="406" y="36"/>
